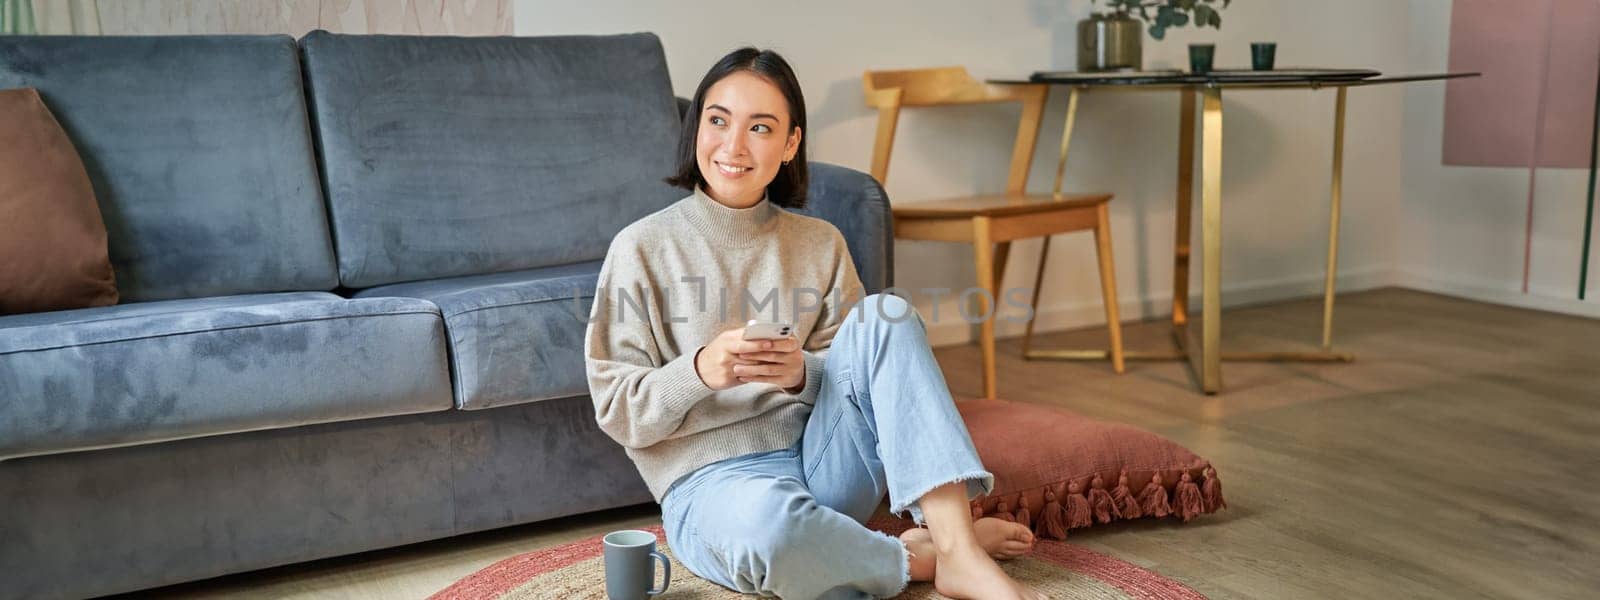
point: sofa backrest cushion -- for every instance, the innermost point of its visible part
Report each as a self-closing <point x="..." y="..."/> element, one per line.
<point x="200" y="154"/>
<point x="448" y="156"/>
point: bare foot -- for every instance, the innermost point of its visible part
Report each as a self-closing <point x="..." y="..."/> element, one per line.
<point x="1002" y="539"/>
<point x="970" y="573"/>
<point x="924" y="555"/>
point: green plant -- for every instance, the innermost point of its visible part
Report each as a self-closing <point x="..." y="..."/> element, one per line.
<point x="1170" y="13"/>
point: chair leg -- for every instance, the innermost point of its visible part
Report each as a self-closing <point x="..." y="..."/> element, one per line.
<point x="1108" y="284"/>
<point x="1002" y="251"/>
<point x="983" y="251"/>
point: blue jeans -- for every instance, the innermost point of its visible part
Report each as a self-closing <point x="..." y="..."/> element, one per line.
<point x="790" y="522"/>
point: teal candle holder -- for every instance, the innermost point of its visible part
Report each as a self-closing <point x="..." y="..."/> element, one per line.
<point x="1200" y="58"/>
<point x="1262" y="55"/>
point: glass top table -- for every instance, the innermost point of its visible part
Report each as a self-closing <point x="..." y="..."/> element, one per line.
<point x="1204" y="355"/>
<point x="1228" y="78"/>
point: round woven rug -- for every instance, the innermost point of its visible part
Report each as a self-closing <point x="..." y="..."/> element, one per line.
<point x="576" y="570"/>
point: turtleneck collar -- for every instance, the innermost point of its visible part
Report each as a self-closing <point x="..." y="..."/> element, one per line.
<point x="730" y="227"/>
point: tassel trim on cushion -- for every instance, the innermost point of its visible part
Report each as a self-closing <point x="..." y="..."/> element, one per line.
<point x="1052" y="518"/>
<point x="1024" y="517"/>
<point x="1153" y="500"/>
<point x="1002" y="511"/>
<point x="1124" y="500"/>
<point x="1189" y="503"/>
<point x="1100" y="501"/>
<point x="1063" y="508"/>
<point x="1211" y="492"/>
<point x="1078" y="513"/>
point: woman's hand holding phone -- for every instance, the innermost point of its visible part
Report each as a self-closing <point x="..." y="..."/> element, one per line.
<point x="730" y="360"/>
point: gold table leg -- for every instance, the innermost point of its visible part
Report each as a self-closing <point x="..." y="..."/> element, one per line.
<point x="1209" y="359"/>
<point x="1204" y="354"/>
<point x="1333" y="219"/>
<point x="1033" y="303"/>
<point x="1108" y="286"/>
<point x="1044" y="246"/>
<point x="1066" y="141"/>
<point x="1180" y="258"/>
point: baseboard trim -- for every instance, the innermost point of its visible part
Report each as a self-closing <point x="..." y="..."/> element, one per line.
<point x="946" y="331"/>
<point x="1485" y="292"/>
<point x="1076" y="315"/>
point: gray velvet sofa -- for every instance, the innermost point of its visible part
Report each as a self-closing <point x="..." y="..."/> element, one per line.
<point x="355" y="271"/>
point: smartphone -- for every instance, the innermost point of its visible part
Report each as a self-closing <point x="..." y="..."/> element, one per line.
<point x="762" y="330"/>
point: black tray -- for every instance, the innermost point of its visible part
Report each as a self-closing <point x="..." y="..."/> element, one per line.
<point x="1296" y="74"/>
<point x="1291" y="74"/>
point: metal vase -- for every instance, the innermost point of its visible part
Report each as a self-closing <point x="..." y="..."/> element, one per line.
<point x="1109" y="43"/>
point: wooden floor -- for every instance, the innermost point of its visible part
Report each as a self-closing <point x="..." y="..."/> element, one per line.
<point x="1458" y="457"/>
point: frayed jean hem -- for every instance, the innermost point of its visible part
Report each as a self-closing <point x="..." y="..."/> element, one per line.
<point x="979" y="483"/>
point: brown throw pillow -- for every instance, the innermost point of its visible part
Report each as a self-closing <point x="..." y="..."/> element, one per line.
<point x="1055" y="470"/>
<point x="52" y="241"/>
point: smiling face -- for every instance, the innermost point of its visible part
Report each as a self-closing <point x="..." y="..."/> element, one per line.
<point x="746" y="134"/>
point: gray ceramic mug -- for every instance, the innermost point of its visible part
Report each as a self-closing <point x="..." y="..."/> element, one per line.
<point x="629" y="570"/>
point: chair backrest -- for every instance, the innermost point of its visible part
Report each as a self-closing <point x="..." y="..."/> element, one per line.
<point x="888" y="91"/>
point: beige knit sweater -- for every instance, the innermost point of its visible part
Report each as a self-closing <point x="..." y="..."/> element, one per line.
<point x="671" y="282"/>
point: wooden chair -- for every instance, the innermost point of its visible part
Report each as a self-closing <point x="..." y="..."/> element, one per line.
<point x="990" y="222"/>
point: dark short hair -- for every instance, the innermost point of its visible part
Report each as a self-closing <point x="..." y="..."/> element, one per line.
<point x="788" y="188"/>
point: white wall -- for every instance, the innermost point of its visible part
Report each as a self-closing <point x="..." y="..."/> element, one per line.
<point x="1277" y="156"/>
<point x="1409" y="220"/>
<point x="1462" y="229"/>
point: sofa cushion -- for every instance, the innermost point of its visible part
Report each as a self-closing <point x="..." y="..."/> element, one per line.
<point x="156" y="371"/>
<point x="514" y="337"/>
<point x="52" y="241"/>
<point x="451" y="156"/>
<point x="200" y="155"/>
